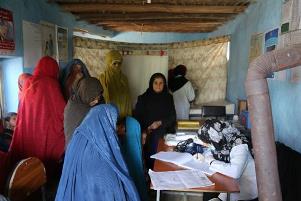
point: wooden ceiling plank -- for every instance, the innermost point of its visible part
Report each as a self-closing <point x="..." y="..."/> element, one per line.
<point x="203" y="21"/>
<point x="162" y="29"/>
<point x="162" y="8"/>
<point x="150" y="16"/>
<point x="162" y="23"/>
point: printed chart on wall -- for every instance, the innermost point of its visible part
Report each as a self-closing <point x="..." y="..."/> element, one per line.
<point x="256" y="46"/>
<point x="271" y="39"/>
<point x="49" y="47"/>
<point x="62" y="43"/>
<point x="7" y="43"/>
<point x="32" y="43"/>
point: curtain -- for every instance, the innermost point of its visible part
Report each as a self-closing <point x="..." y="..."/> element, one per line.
<point x="206" y="69"/>
<point x="205" y="60"/>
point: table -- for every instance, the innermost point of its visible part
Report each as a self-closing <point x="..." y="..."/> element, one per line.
<point x="223" y="184"/>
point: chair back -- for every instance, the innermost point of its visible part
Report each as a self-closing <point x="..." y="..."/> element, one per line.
<point x="28" y="176"/>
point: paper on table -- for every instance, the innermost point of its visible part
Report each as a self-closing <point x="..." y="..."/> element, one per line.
<point x="185" y="160"/>
<point x="181" y="179"/>
<point x="174" y="139"/>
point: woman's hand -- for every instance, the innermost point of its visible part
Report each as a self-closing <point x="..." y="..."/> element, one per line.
<point x="143" y="138"/>
<point x="154" y="125"/>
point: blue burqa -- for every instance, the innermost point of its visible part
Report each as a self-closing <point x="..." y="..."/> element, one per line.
<point x="133" y="155"/>
<point x="94" y="168"/>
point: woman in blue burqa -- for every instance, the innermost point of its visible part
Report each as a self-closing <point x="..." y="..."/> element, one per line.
<point x="94" y="168"/>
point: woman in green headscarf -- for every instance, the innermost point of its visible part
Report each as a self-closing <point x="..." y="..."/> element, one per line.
<point x="115" y="84"/>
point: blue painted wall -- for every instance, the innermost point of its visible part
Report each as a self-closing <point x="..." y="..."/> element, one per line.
<point x="261" y="17"/>
<point x="34" y="11"/>
<point x="11" y="69"/>
<point x="285" y="96"/>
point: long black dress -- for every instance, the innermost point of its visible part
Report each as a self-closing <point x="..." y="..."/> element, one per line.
<point x="150" y="107"/>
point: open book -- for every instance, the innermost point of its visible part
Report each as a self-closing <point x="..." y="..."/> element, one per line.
<point x="185" y="160"/>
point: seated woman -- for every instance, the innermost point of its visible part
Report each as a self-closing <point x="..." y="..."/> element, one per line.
<point x="72" y="72"/>
<point x="94" y="168"/>
<point x="156" y="114"/>
<point x="230" y="156"/>
<point x="87" y="93"/>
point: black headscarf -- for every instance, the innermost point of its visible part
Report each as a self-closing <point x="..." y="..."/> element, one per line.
<point x="152" y="106"/>
<point x="223" y="136"/>
<point x="85" y="91"/>
<point x="178" y="80"/>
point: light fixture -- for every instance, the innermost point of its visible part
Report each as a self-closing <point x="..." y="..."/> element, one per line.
<point x="148" y="1"/>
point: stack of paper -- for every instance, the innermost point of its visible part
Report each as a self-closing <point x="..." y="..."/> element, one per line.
<point x="185" y="160"/>
<point x="176" y="180"/>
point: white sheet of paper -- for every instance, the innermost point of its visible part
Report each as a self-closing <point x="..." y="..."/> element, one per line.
<point x="181" y="179"/>
<point x="185" y="160"/>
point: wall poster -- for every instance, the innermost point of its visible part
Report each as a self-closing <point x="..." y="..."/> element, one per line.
<point x="256" y="46"/>
<point x="32" y="43"/>
<point x="49" y="44"/>
<point x="271" y="40"/>
<point x="7" y="43"/>
<point x="62" y="43"/>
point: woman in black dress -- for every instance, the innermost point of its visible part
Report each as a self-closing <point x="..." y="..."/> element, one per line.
<point x="156" y="114"/>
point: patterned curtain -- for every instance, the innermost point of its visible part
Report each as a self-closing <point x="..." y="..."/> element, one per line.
<point x="206" y="69"/>
<point x="205" y="60"/>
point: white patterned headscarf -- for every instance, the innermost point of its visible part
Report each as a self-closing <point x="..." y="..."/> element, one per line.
<point x="223" y="136"/>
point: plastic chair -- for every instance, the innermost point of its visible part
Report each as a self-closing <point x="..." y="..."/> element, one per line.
<point x="27" y="177"/>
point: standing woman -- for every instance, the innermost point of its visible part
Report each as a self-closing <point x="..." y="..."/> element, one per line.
<point x="72" y="72"/>
<point x="87" y="93"/>
<point x="156" y="114"/>
<point x="39" y="129"/>
<point x="183" y="92"/>
<point x="115" y="84"/>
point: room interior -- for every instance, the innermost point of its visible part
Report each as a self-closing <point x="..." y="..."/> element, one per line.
<point x="138" y="29"/>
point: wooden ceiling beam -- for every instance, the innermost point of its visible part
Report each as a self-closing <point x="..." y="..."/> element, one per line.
<point x="149" y="16"/>
<point x="160" y="8"/>
<point x="158" y="23"/>
<point x="163" y="26"/>
<point x="161" y="29"/>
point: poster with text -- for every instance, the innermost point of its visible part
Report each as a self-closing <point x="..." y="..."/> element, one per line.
<point x="7" y="43"/>
<point x="62" y="43"/>
<point x="32" y="43"/>
<point x="271" y="39"/>
<point x="49" y="47"/>
<point x="256" y="46"/>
